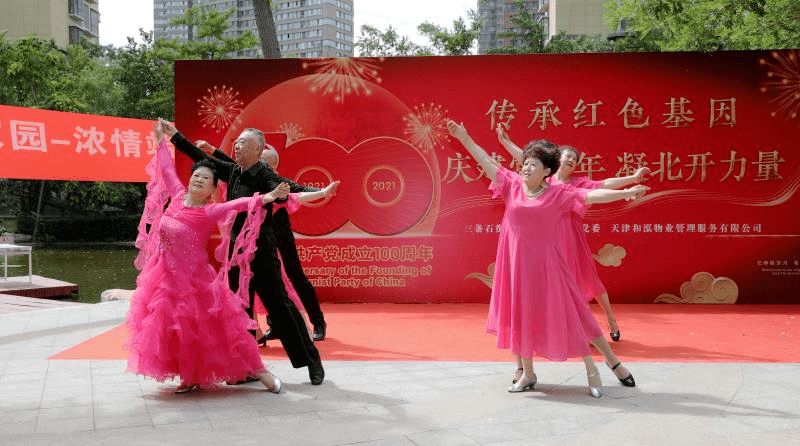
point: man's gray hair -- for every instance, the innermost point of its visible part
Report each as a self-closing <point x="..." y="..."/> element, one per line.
<point x="259" y="136"/>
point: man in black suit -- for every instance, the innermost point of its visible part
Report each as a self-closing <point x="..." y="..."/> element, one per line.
<point x="245" y="177"/>
<point x="291" y="261"/>
<point x="288" y="249"/>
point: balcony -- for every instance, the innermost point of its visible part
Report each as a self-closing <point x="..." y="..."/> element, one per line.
<point x="75" y="9"/>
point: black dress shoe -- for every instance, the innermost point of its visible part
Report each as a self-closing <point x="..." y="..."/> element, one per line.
<point x="319" y="332"/>
<point x="615" y="336"/>
<point x="268" y="336"/>
<point x="316" y="372"/>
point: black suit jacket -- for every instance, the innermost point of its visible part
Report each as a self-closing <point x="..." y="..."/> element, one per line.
<point x="280" y="219"/>
<point x="257" y="179"/>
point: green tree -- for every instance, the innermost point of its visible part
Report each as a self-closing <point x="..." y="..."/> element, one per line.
<point x="592" y="43"/>
<point x="209" y="40"/>
<point x="89" y="84"/>
<point x="375" y="43"/>
<point x="145" y="73"/>
<point x="709" y="25"/>
<point x="37" y="73"/>
<point x="457" y="42"/>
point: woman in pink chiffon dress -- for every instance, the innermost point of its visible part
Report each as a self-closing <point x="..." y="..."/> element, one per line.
<point x="184" y="321"/>
<point x="537" y="307"/>
<point x="577" y="246"/>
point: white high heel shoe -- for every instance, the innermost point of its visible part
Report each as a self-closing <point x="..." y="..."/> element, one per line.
<point x="275" y="386"/>
<point x="596" y="391"/>
<point x="522" y="386"/>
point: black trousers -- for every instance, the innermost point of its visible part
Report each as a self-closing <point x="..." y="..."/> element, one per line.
<point x="286" y="319"/>
<point x="294" y="270"/>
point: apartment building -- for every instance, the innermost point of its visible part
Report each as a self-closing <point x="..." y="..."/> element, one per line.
<point x="63" y="21"/>
<point x="305" y="28"/>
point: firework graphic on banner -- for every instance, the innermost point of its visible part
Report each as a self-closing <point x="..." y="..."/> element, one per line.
<point x="783" y="73"/>
<point x="342" y="76"/>
<point x="426" y="127"/>
<point x="219" y="107"/>
<point x="293" y="132"/>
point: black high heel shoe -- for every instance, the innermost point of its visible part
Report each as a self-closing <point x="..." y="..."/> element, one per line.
<point x="615" y="333"/>
<point x="627" y="381"/>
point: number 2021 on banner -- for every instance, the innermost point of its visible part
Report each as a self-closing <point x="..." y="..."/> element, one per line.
<point x="387" y="186"/>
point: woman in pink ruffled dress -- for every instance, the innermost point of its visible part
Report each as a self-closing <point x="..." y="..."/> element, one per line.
<point x="184" y="321"/>
<point x="537" y="307"/>
<point x="578" y="246"/>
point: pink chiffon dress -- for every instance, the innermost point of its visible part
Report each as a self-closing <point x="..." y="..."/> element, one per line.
<point x="575" y="245"/>
<point x="184" y="321"/>
<point x="537" y="307"/>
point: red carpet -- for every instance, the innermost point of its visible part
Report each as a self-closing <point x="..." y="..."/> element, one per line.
<point x="455" y="332"/>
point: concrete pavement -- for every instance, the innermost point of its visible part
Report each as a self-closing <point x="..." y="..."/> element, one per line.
<point x="378" y="403"/>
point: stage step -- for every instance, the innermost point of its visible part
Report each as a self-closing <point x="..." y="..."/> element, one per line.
<point x="12" y="304"/>
<point x="41" y="287"/>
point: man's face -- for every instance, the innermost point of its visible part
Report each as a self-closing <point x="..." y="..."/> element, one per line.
<point x="246" y="149"/>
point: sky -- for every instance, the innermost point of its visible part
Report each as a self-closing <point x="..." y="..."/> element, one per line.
<point x="121" y="19"/>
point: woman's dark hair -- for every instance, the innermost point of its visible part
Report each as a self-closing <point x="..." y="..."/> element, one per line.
<point x="208" y="165"/>
<point x="563" y="149"/>
<point x="546" y="152"/>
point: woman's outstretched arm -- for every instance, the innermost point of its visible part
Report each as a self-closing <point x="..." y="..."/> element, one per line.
<point x="512" y="148"/>
<point x="610" y="195"/>
<point x="478" y="154"/>
<point x="166" y="164"/>
<point x="620" y="182"/>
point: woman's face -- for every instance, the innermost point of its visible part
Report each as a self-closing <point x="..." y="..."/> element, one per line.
<point x="533" y="171"/>
<point x="201" y="183"/>
<point x="569" y="160"/>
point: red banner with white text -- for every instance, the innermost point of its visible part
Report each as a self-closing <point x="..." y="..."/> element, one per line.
<point x="413" y="220"/>
<point x="50" y="145"/>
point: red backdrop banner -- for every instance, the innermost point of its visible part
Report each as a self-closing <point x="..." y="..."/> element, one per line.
<point x="413" y="220"/>
<point x="51" y="145"/>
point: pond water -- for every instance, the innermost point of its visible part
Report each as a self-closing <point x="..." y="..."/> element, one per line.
<point x="93" y="269"/>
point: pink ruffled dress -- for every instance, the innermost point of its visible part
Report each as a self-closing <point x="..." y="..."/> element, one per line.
<point x="575" y="245"/>
<point x="184" y="321"/>
<point x="537" y="307"/>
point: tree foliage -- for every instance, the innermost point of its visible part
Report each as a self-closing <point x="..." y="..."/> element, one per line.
<point x="145" y="73"/>
<point x="37" y="73"/>
<point x="376" y="43"/>
<point x="443" y="41"/>
<point x="458" y="41"/>
<point x="710" y="25"/>
<point x="209" y="41"/>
